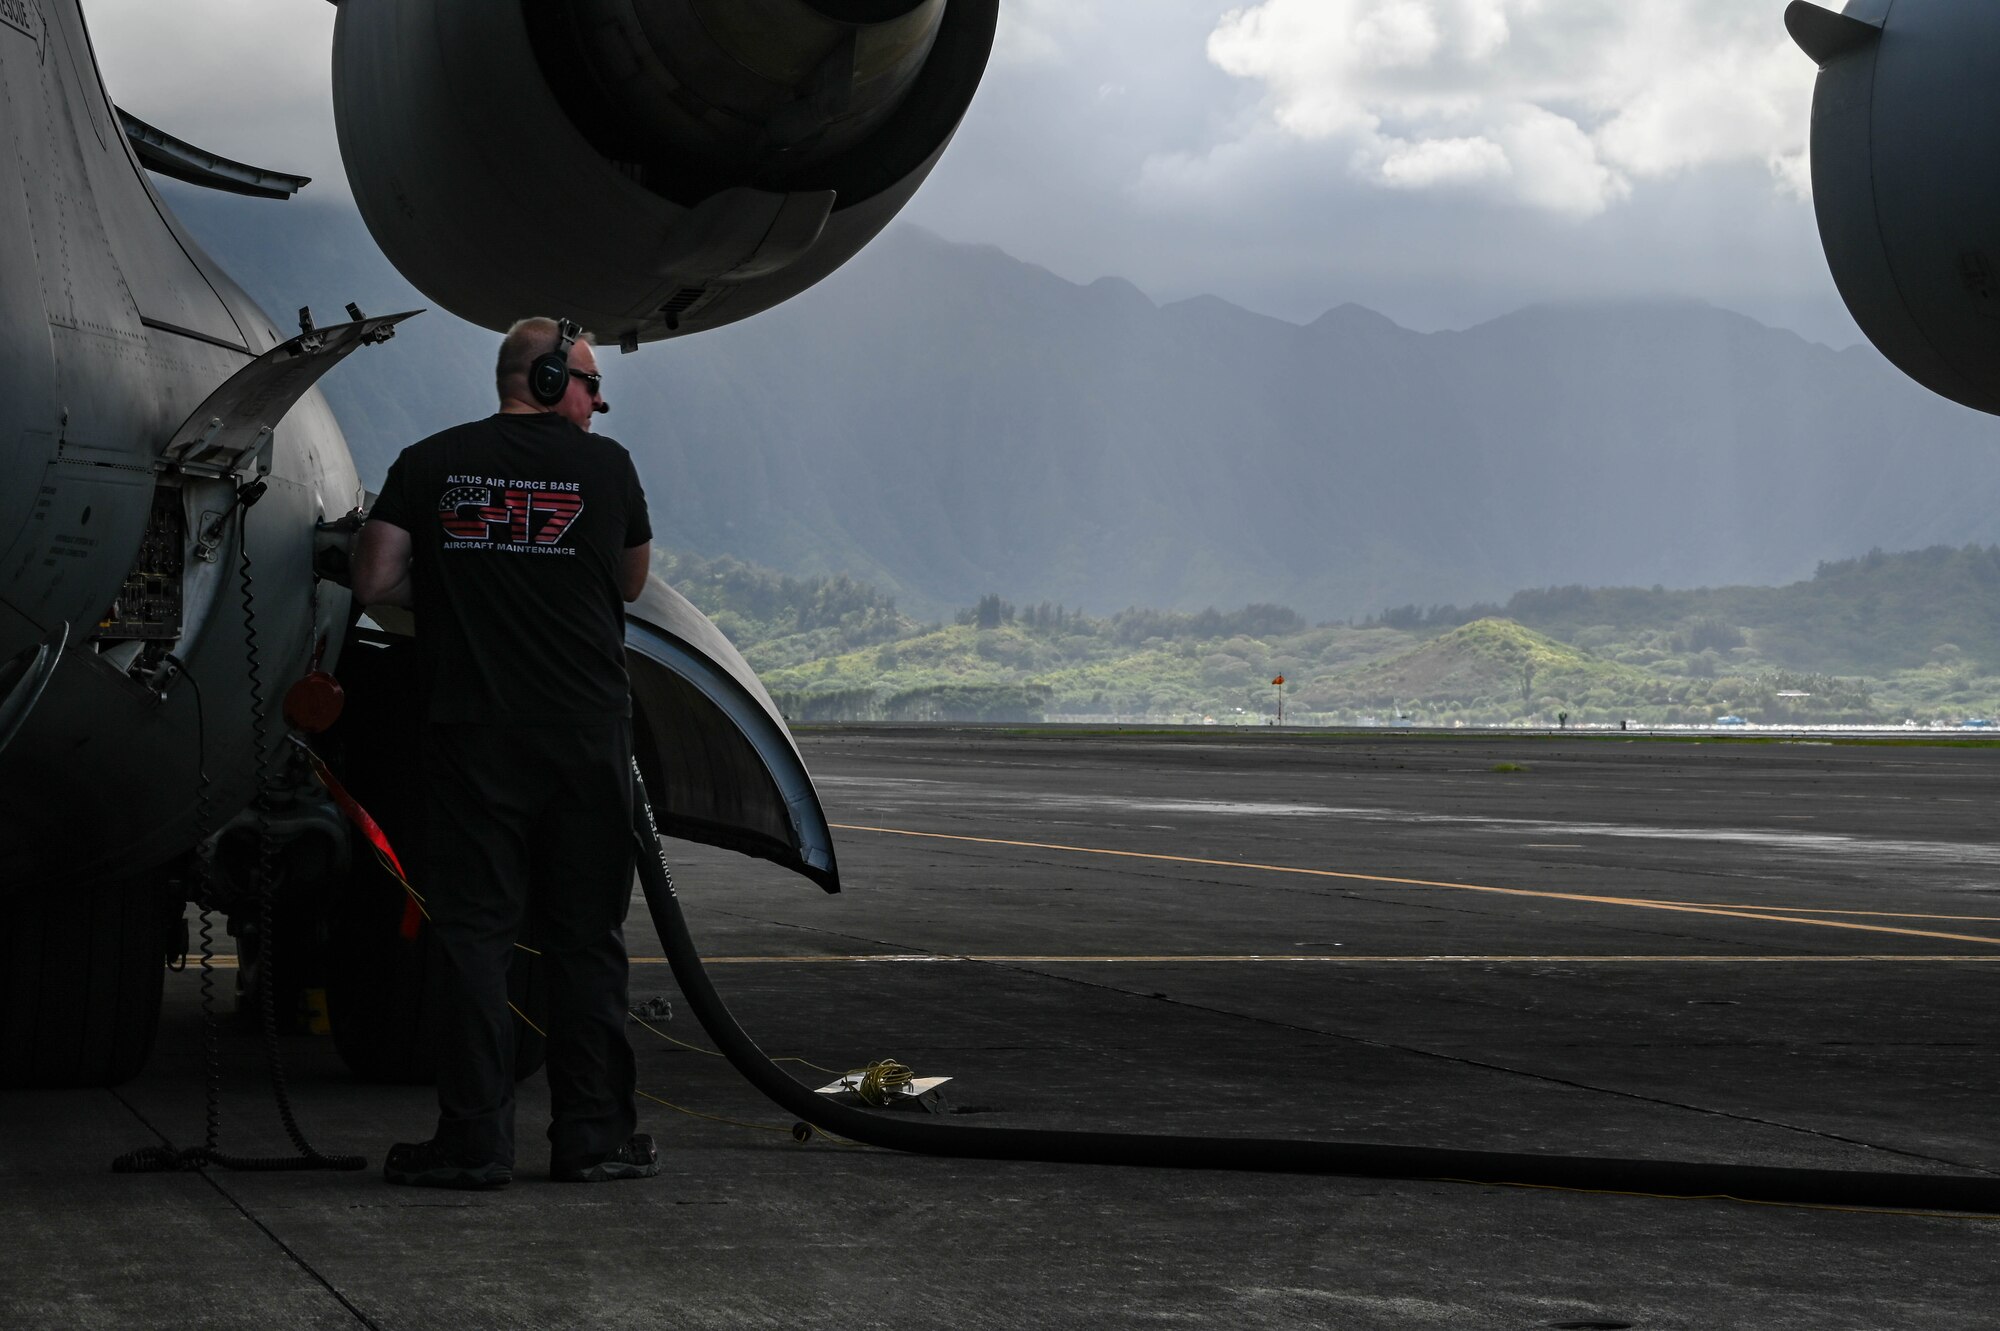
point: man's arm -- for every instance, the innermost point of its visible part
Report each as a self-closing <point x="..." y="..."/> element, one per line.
<point x="382" y="565"/>
<point x="633" y="568"/>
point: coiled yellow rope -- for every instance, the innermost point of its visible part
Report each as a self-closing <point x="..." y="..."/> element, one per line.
<point x="878" y="1083"/>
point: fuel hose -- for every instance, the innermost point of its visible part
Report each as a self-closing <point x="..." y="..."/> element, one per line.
<point x="1663" y="1178"/>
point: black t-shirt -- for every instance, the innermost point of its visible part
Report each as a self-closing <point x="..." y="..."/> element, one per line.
<point x="518" y="527"/>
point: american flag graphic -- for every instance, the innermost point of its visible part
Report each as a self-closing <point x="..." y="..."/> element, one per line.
<point x="467" y="512"/>
<point x="543" y="516"/>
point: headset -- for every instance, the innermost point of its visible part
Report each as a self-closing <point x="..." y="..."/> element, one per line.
<point x="548" y="377"/>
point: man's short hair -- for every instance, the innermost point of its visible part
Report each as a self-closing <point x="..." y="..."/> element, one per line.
<point x="527" y="340"/>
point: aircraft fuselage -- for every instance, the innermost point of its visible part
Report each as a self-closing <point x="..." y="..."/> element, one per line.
<point x="114" y="327"/>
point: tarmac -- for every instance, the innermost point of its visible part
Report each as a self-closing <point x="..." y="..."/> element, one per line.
<point x="1760" y="952"/>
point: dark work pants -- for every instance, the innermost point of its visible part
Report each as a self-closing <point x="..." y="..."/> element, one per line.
<point x="530" y="825"/>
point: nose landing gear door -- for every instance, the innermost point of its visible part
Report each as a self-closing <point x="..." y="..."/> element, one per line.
<point x="719" y="763"/>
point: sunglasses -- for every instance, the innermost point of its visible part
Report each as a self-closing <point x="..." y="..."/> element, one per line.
<point x="594" y="382"/>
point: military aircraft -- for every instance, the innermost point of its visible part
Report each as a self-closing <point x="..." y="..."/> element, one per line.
<point x="179" y="500"/>
<point x="1904" y="181"/>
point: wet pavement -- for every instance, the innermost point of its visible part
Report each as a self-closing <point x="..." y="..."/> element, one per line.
<point x="1760" y="953"/>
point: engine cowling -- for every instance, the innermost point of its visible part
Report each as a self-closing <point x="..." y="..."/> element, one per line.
<point x="645" y="167"/>
<point x="1906" y="181"/>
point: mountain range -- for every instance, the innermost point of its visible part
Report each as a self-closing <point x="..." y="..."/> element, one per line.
<point x="945" y="421"/>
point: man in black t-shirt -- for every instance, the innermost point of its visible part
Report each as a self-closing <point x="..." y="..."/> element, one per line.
<point x="517" y="539"/>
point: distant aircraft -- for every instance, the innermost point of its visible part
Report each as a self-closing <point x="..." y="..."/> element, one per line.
<point x="1906" y="180"/>
<point x="178" y="498"/>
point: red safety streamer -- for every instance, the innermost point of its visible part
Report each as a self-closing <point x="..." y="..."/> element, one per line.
<point x="413" y="911"/>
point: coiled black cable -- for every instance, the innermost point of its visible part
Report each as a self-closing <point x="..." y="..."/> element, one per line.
<point x="1663" y="1178"/>
<point x="165" y="1157"/>
<point x="161" y="1157"/>
<point x="204" y="807"/>
<point x="308" y="1157"/>
<point x="211" y="1043"/>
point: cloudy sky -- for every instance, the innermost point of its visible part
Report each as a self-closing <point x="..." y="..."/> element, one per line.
<point x="1442" y="161"/>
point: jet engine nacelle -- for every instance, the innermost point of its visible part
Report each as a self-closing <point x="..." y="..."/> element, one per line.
<point x="1906" y="181"/>
<point x="646" y="167"/>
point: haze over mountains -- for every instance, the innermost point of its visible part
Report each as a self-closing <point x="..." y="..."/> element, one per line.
<point x="946" y="421"/>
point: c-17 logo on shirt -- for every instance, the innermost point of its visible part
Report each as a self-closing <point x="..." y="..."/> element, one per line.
<point x="528" y="514"/>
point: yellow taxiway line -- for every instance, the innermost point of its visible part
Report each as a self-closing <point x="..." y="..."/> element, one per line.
<point x="1636" y="903"/>
<point x="1795" y="915"/>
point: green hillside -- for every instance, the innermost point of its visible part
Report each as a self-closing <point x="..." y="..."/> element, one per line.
<point x="1879" y="639"/>
<point x="1872" y="615"/>
<point x="1496" y="665"/>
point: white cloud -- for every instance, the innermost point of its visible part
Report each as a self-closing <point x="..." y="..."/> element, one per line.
<point x="1443" y="161"/>
<point x="1397" y="34"/>
<point x="1560" y="105"/>
<point x="1557" y="166"/>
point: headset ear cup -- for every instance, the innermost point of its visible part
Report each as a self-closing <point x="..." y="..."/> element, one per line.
<point x="548" y="378"/>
